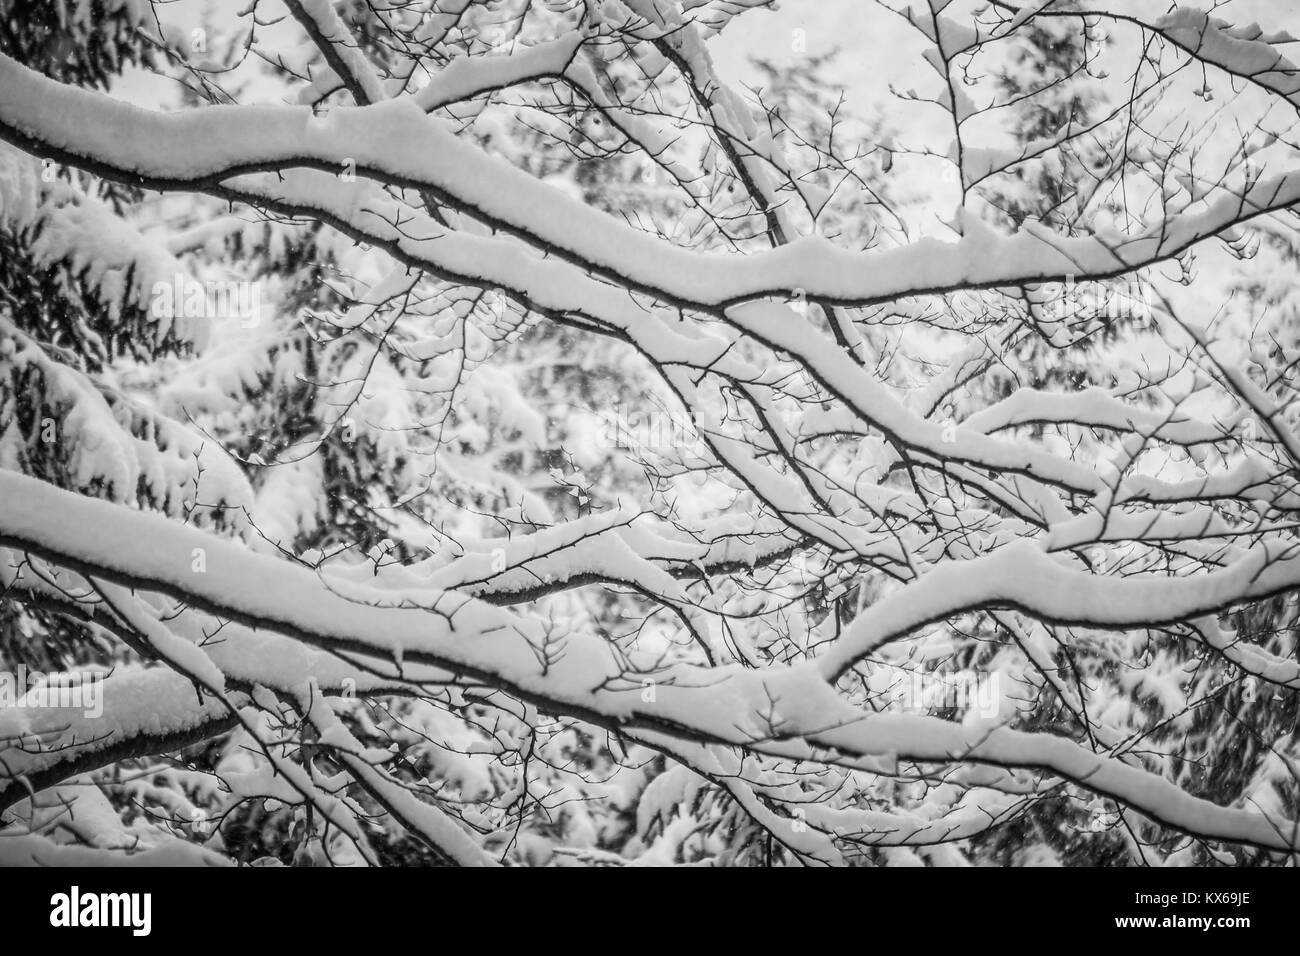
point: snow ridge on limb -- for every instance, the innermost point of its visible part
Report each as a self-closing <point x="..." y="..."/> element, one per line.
<point x="394" y="142"/>
<point x="704" y="704"/>
<point x="1241" y="51"/>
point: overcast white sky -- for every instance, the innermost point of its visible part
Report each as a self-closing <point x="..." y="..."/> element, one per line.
<point x="875" y="46"/>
